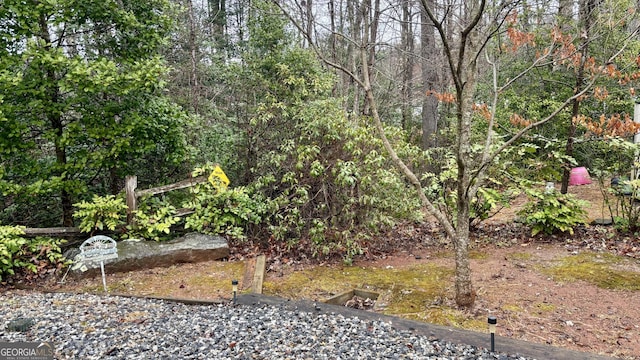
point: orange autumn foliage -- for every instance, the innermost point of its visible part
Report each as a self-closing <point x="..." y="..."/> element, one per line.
<point x="483" y="110"/>
<point x="518" y="120"/>
<point x="615" y="125"/>
<point x="442" y="97"/>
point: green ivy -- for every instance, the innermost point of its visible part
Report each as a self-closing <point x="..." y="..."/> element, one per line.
<point x="103" y="212"/>
<point x="552" y="212"/>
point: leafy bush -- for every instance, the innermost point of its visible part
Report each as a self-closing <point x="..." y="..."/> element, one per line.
<point x="222" y="211"/>
<point x="552" y="212"/>
<point x="627" y="209"/>
<point x="16" y="252"/>
<point x="608" y="160"/>
<point x="441" y="181"/>
<point x="102" y="212"/>
<point x="331" y="184"/>
<point x="488" y="202"/>
<point x="153" y="220"/>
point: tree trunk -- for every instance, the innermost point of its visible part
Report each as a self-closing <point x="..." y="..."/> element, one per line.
<point x="465" y="295"/>
<point x="407" y="71"/>
<point x="194" y="58"/>
<point x="586" y="10"/>
<point x="372" y="16"/>
<point x="356" y="20"/>
<point x="55" y="118"/>
<point x="429" y="80"/>
<point x="333" y="37"/>
<point x="309" y="15"/>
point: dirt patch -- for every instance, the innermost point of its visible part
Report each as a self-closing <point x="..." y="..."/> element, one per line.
<point x="510" y="274"/>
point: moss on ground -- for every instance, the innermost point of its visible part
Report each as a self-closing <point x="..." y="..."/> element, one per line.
<point x="512" y="308"/>
<point x="601" y="269"/>
<point x="545" y="307"/>
<point x="521" y="256"/>
<point x="212" y="281"/>
<point x="413" y="293"/>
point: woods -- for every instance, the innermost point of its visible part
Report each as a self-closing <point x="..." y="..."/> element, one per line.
<point x="334" y="120"/>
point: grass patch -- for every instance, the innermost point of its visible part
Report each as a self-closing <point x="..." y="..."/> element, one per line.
<point x="214" y="279"/>
<point x="595" y="268"/>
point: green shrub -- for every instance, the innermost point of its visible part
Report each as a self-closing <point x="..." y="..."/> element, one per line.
<point x="607" y="160"/>
<point x="627" y="211"/>
<point x="488" y="202"/>
<point x="153" y="220"/>
<point x="102" y="212"/>
<point x="332" y="184"/>
<point x="34" y="255"/>
<point x="552" y="212"/>
<point x="222" y="211"/>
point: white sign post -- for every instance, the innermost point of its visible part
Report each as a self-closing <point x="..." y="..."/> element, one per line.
<point x="97" y="249"/>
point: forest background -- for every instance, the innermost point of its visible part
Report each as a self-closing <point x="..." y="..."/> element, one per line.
<point x="334" y="120"/>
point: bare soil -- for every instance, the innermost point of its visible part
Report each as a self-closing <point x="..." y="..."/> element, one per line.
<point x="507" y="277"/>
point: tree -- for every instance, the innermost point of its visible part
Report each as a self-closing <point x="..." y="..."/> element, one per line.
<point x="429" y="53"/>
<point x="475" y="35"/>
<point x="83" y="103"/>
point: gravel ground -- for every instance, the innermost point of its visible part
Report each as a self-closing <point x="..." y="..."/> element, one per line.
<point x="110" y="327"/>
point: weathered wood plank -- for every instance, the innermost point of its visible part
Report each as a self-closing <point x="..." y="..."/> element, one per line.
<point x="56" y="231"/>
<point x="131" y="183"/>
<point x="343" y="297"/>
<point x="184" y="211"/>
<point x="258" y="276"/>
<point x="176" y="186"/>
<point x="249" y="271"/>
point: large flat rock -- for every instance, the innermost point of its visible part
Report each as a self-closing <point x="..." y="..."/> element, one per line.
<point x="141" y="254"/>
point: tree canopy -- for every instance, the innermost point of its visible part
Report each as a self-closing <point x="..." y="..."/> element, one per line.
<point x="83" y="102"/>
